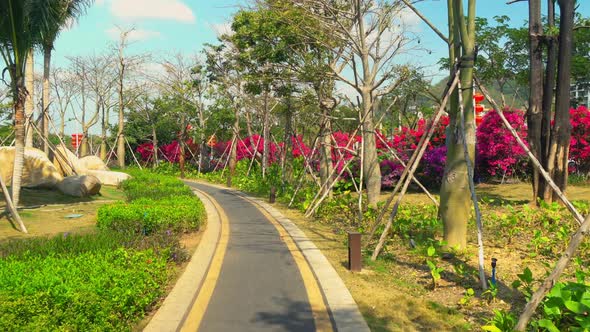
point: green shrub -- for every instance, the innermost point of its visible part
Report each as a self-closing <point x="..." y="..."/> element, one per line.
<point x="92" y="291"/>
<point x="154" y="186"/>
<point x="146" y="216"/>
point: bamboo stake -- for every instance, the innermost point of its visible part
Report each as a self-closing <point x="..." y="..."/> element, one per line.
<point x="11" y="207"/>
<point x="546" y="286"/>
<point x="6" y="138"/>
<point x="577" y="237"/>
<point x="413" y="160"/>
<point x="254" y="154"/>
<point x="482" y="275"/>
<point x="313" y="207"/>
<point x="302" y="176"/>
<point x="133" y="154"/>
<point x="416" y="181"/>
<point x="579" y="218"/>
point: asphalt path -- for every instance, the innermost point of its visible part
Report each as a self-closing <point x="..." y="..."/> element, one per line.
<point x="260" y="287"/>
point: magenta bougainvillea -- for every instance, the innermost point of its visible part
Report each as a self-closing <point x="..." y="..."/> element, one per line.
<point x="498" y="153"/>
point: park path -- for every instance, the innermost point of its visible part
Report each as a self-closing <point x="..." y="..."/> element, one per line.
<point x="263" y="282"/>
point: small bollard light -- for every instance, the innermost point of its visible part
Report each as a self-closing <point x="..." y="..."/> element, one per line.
<point x="494" y="261"/>
<point x="228" y="182"/>
<point x="273" y="194"/>
<point x="354" y="252"/>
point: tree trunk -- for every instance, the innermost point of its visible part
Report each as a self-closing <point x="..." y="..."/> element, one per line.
<point x="181" y="138"/>
<point x="30" y="100"/>
<point x="155" y="148"/>
<point x="287" y="153"/>
<point x="84" y="146"/>
<point x="562" y="102"/>
<point x="534" y="114"/>
<point x="544" y="190"/>
<point x="19" y="141"/>
<point x="233" y="151"/>
<point x="103" y="136"/>
<point x="455" y="207"/>
<point x="326" y="162"/>
<point x="46" y="91"/>
<point x="371" y="170"/>
<point x="265" y="135"/>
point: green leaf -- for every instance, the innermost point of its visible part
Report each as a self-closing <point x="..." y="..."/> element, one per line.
<point x="576" y="307"/>
<point x="431" y="251"/>
<point x="491" y="328"/>
<point x="548" y="324"/>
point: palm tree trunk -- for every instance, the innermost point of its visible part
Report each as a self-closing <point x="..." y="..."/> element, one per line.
<point x="46" y="101"/>
<point x="19" y="143"/>
<point x="29" y="101"/>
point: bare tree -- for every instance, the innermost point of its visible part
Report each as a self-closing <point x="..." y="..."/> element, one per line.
<point x="64" y="90"/>
<point x="372" y="34"/>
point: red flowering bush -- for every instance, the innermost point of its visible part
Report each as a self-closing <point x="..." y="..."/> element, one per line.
<point x="498" y="153"/>
<point x="580" y="141"/>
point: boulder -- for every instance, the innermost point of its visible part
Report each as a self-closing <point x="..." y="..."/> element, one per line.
<point x="38" y="171"/>
<point x="93" y="163"/>
<point x="109" y="178"/>
<point x="66" y="161"/>
<point x="80" y="185"/>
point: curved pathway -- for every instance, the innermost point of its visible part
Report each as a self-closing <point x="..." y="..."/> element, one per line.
<point x="264" y="275"/>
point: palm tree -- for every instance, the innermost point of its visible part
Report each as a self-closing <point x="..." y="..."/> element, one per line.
<point x="22" y="24"/>
<point x="65" y="11"/>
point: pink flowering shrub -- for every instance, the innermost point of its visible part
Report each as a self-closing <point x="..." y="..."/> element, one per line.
<point x="580" y="141"/>
<point x="498" y="153"/>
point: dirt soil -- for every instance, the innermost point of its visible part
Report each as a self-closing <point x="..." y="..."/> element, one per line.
<point x="395" y="293"/>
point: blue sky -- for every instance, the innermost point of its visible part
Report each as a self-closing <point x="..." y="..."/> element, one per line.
<point x="165" y="27"/>
<point x="170" y="26"/>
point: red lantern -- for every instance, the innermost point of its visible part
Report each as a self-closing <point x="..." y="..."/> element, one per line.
<point x="478" y="120"/>
<point x="479" y="108"/>
<point x="478" y="97"/>
<point x="76" y="140"/>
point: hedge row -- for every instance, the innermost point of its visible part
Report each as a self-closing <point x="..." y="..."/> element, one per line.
<point x="105" y="281"/>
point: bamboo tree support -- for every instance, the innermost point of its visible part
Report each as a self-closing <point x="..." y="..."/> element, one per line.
<point x="414" y="160"/>
<point x="221" y="157"/>
<point x="233" y="141"/>
<point x="53" y="149"/>
<point x="133" y="154"/>
<point x="254" y="153"/>
<point x="416" y="181"/>
<point x="315" y="204"/>
<point x="11" y="208"/>
<point x="481" y="261"/>
<point x="546" y="286"/>
<point x="579" y="218"/>
<point x="576" y="239"/>
<point x="302" y="176"/>
<point x="6" y="138"/>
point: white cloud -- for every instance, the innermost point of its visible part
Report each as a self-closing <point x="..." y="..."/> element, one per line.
<point x="99" y="2"/>
<point x="174" y="10"/>
<point x="134" y="35"/>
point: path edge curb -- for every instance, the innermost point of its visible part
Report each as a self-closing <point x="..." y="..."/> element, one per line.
<point x="171" y="315"/>
<point x="343" y="308"/>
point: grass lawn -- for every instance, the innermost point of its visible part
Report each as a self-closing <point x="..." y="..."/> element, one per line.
<point x="46" y="212"/>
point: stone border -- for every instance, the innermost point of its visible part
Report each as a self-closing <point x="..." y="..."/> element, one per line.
<point x="171" y="315"/>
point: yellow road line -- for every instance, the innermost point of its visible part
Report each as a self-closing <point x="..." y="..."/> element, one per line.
<point x="319" y="310"/>
<point x="195" y="315"/>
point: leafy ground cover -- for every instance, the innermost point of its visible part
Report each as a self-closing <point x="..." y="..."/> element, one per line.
<point x="105" y="278"/>
<point x="412" y="287"/>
